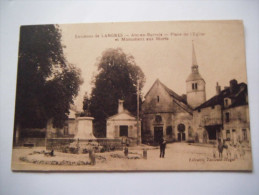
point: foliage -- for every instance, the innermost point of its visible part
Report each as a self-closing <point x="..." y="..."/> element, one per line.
<point x="116" y="79"/>
<point x="46" y="82"/>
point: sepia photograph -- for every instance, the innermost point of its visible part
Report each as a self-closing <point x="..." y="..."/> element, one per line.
<point x="132" y="96"/>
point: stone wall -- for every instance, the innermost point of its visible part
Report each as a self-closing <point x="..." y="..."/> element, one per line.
<point x="196" y="97"/>
<point x="31" y="142"/>
<point x="158" y="100"/>
<point x="238" y="121"/>
<point x="113" y="128"/>
<point x="206" y="117"/>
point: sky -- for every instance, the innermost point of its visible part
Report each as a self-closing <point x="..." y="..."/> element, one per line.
<point x="163" y="50"/>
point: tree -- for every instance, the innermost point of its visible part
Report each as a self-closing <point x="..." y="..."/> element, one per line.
<point x="116" y="79"/>
<point x="46" y="82"/>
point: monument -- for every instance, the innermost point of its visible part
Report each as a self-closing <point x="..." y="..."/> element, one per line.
<point x="85" y="128"/>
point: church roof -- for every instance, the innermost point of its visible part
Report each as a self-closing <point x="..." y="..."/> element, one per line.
<point x="185" y="106"/>
<point x="194" y="76"/>
<point x="237" y="97"/>
<point x="194" y="60"/>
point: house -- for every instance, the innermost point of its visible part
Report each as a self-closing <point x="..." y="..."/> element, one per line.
<point x="224" y="116"/>
<point x="123" y="125"/>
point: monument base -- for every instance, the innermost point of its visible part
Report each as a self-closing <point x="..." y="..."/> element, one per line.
<point x="85" y="128"/>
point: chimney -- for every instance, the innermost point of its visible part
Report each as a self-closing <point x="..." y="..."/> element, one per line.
<point x="233" y="86"/>
<point x="218" y="89"/>
<point x="120" y="106"/>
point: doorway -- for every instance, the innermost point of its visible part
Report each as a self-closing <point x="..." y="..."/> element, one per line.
<point x="124" y="130"/>
<point x="213" y="132"/>
<point x="158" y="134"/>
<point x="181" y="132"/>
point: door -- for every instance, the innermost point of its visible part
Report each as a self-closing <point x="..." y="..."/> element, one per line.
<point x="183" y="136"/>
<point x="158" y="134"/>
<point x="181" y="132"/>
<point x="179" y="137"/>
<point x="124" y="130"/>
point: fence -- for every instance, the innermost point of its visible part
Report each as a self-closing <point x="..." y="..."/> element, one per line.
<point x="60" y="144"/>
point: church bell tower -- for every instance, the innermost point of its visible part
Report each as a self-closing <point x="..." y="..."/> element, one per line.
<point x="195" y="84"/>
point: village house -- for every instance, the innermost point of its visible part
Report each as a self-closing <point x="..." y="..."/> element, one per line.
<point x="123" y="126"/>
<point x="224" y="116"/>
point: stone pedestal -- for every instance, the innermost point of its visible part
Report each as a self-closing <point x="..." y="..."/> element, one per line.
<point x="85" y="128"/>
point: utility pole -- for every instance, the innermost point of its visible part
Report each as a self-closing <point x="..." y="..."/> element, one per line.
<point x="138" y="128"/>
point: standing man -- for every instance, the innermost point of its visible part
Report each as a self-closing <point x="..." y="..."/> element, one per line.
<point x="162" y="148"/>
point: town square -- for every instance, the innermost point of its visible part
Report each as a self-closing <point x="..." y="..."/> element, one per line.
<point x="88" y="99"/>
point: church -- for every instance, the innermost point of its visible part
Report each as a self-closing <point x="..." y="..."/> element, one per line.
<point x="165" y="114"/>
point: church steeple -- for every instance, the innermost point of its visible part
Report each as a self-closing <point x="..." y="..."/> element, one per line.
<point x="195" y="84"/>
<point x="194" y="61"/>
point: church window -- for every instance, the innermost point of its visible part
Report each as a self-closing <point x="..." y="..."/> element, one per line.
<point x="212" y="107"/>
<point x="194" y="85"/>
<point x="157" y="98"/>
<point x="181" y="128"/>
<point x="199" y="110"/>
<point x="227" y="117"/>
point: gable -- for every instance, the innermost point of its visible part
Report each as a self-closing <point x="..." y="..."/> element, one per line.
<point x="162" y="99"/>
<point x="122" y="116"/>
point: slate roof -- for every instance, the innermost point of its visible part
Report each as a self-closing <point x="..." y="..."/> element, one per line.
<point x="238" y="97"/>
<point x="194" y="77"/>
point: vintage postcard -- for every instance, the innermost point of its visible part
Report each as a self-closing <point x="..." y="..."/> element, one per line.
<point x="135" y="96"/>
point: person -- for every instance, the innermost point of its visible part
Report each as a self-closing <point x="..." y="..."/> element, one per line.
<point x="220" y="148"/>
<point x="228" y="150"/>
<point x="162" y="148"/>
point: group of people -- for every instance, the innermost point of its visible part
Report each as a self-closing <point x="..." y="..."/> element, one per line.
<point x="233" y="151"/>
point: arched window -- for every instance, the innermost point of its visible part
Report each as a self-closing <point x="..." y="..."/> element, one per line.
<point x="181" y="128"/>
<point x="194" y="86"/>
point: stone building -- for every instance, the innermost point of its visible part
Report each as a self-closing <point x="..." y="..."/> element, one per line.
<point x="190" y="117"/>
<point x="168" y="115"/>
<point x="195" y="85"/>
<point x="123" y="125"/>
<point x="165" y="114"/>
<point x="224" y="116"/>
